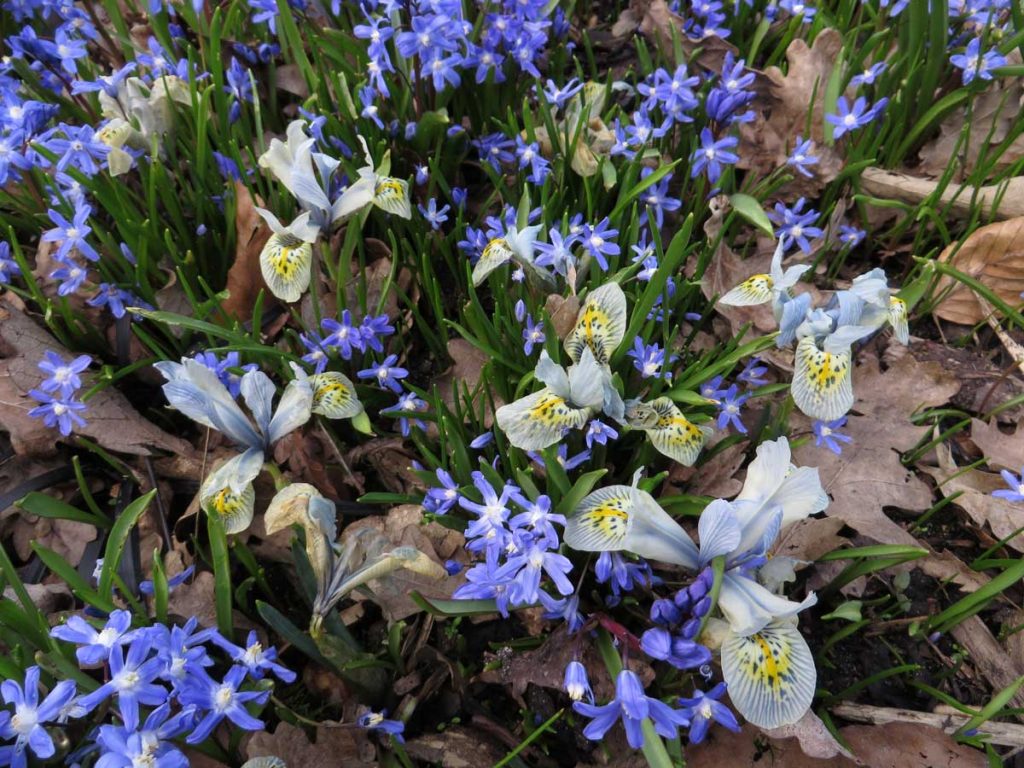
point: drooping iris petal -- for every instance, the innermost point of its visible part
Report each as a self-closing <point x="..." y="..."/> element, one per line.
<point x="196" y="391"/>
<point x="392" y="195"/>
<point x="822" y="381"/>
<point x="669" y="431"/>
<point x="303" y="504"/>
<point x="600" y="324"/>
<point x="624" y="518"/>
<point x="756" y="289"/>
<point x="770" y="674"/>
<point x="495" y="253"/>
<point x="228" y="492"/>
<point x="748" y="606"/>
<point x="286" y="263"/>
<point x="898" y="320"/>
<point x="539" y="420"/>
<point x="334" y="396"/>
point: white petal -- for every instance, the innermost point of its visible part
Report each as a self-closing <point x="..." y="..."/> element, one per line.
<point x="752" y="291"/>
<point x="495" y="253"/>
<point x="539" y="420"/>
<point x="293" y="411"/>
<point x="770" y="675"/>
<point x="822" y="382"/>
<point x="392" y="195"/>
<point x="552" y="374"/>
<point x="748" y="606"/>
<point x="286" y="263"/>
<point x="600" y="324"/>
<point x="718" y="529"/>
<point x="334" y="396"/>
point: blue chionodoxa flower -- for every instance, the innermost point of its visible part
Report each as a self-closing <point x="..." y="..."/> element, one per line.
<point x="765" y="660"/>
<point x="26" y="724"/>
<point x="631" y="705"/>
<point x="196" y="391"/>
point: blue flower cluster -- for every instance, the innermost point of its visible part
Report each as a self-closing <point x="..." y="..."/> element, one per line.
<point x="56" y="395"/>
<point x="163" y="669"/>
<point x="518" y="549"/>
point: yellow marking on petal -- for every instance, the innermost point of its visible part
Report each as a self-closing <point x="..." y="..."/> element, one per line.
<point x="334" y="396"/>
<point x="392" y="195"/>
<point x="285" y="262"/>
<point x="602" y="520"/>
<point x="770" y="674"/>
<point x="898" y="319"/>
<point x="756" y="289"/>
<point x="670" y="432"/>
<point x="600" y="324"/>
<point x="234" y="509"/>
<point x="539" y="420"/>
<point x="822" y="384"/>
<point x="388" y="188"/>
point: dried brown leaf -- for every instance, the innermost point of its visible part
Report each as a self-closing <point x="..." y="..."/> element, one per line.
<point x="245" y="279"/>
<point x="782" y="108"/>
<point x="868" y="475"/>
<point x="1001" y="450"/>
<point x="111" y="420"/>
<point x="975" y="488"/>
<point x="814" y="738"/>
<point x="994" y="256"/>
<point x="892" y="745"/>
<point x="457" y="747"/>
<point x="1003" y="201"/>
<point x="333" y="747"/>
<point x="404" y="527"/>
<point x="810" y="539"/>
<point x="656" y="21"/>
<point x="563" y="311"/>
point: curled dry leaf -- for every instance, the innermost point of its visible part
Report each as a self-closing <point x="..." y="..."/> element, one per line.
<point x="1002" y="450"/>
<point x="562" y="311"/>
<point x="245" y="280"/>
<point x="333" y="747"/>
<point x="545" y="666"/>
<point x="868" y="475"/>
<point x="403" y="527"/>
<point x="781" y="108"/>
<point x="457" y="747"/>
<point x="975" y="488"/>
<point x="814" y="738"/>
<point x="111" y="420"/>
<point x="891" y="745"/>
<point x="656" y="21"/>
<point x="992" y="255"/>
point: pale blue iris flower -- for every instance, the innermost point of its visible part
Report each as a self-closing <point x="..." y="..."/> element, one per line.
<point x="196" y="391"/>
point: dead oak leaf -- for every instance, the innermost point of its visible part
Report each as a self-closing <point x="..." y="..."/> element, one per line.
<point x="1001" y="450"/>
<point x="655" y="20"/>
<point x="994" y="256"/>
<point x="868" y="475"/>
<point x="245" y="278"/>
<point x="333" y="747"/>
<point x="975" y="497"/>
<point x="404" y="527"/>
<point x="781" y="114"/>
<point x="111" y="420"/>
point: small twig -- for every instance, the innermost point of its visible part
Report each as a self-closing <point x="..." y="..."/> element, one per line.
<point x="337" y="454"/>
<point x="1002" y="734"/>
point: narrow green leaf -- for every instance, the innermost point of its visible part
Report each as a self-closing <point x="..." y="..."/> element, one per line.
<point x="116" y="542"/>
<point x="42" y="505"/>
<point x="221" y="575"/>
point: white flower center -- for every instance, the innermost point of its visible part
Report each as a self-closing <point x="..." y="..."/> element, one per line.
<point x="73" y="233"/>
<point x="107" y="637"/>
<point x="596" y="240"/>
<point x="797" y="230"/>
<point x="705" y="711"/>
<point x="24" y="720"/>
<point x="709" y="153"/>
<point x="849" y="121"/>
<point x="222" y="698"/>
<point x="126" y="679"/>
<point x="253" y="655"/>
<point x="60" y="409"/>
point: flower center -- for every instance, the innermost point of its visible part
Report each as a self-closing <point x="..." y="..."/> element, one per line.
<point x="24" y="720"/>
<point x="222" y="698"/>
